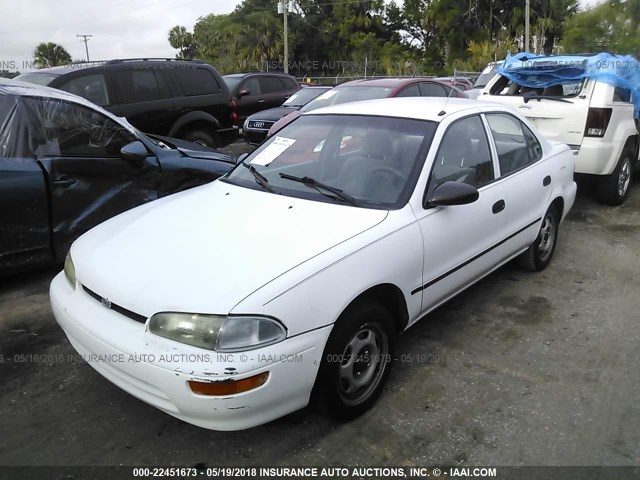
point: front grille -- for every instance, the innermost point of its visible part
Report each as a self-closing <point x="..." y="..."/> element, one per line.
<point x="116" y="308"/>
<point x="260" y="124"/>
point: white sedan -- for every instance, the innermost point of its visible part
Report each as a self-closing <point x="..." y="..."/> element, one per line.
<point x="288" y="280"/>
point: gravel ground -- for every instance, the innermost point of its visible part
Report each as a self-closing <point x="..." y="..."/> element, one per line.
<point x="521" y="369"/>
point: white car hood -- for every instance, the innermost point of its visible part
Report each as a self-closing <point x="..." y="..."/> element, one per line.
<point x="206" y="249"/>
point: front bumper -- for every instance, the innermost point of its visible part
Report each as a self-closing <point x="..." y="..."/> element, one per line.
<point x="156" y="370"/>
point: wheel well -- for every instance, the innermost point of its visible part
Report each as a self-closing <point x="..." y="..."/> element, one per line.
<point x="631" y="144"/>
<point x="392" y="298"/>
<point x="202" y="125"/>
<point x="558" y="203"/>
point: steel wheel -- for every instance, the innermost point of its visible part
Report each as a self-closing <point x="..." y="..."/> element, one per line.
<point x="547" y="237"/>
<point x="363" y="364"/>
<point x="356" y="360"/>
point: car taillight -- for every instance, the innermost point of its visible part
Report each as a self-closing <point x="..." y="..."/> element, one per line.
<point x="233" y="115"/>
<point x="597" y="122"/>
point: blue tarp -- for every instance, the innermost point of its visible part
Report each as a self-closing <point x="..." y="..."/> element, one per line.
<point x="539" y="71"/>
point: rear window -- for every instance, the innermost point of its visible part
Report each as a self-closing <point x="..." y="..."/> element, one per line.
<point x="140" y="86"/>
<point x="196" y="81"/>
<point x="339" y="95"/>
<point x="37" y="78"/>
<point x="504" y="86"/>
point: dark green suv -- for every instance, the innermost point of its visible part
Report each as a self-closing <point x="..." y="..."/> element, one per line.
<point x="185" y="99"/>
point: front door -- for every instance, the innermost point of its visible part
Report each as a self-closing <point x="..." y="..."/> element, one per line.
<point x="461" y="242"/>
<point x="79" y="149"/>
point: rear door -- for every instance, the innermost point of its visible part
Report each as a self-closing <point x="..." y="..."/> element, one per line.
<point x="24" y="219"/>
<point x="528" y="176"/>
<point x="147" y="97"/>
<point x="79" y="149"/>
<point x="273" y="91"/>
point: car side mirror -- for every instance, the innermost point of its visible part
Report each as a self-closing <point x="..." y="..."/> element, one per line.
<point x="134" y="152"/>
<point x="241" y="157"/>
<point x="453" y="193"/>
<point x="244" y="92"/>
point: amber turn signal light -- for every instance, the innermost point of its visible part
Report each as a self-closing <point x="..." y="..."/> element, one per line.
<point x="228" y="387"/>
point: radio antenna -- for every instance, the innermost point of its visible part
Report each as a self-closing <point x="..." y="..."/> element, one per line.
<point x="443" y="112"/>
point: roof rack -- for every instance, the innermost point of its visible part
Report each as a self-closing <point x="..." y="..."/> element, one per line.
<point x="152" y="59"/>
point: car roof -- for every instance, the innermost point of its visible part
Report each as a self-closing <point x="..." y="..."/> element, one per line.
<point x="239" y="75"/>
<point x="419" y="108"/>
<point x="23" y="89"/>
<point x="385" y="82"/>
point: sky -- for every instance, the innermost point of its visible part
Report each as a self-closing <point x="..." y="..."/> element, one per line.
<point x="120" y="28"/>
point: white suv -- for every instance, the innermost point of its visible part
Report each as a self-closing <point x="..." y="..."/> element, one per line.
<point x="594" y="118"/>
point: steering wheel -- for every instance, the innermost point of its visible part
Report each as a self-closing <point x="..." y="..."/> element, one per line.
<point x="389" y="170"/>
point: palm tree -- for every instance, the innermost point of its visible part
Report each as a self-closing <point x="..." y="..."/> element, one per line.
<point x="50" y="55"/>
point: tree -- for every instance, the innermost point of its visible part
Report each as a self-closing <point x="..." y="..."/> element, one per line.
<point x="183" y="40"/>
<point x="613" y="26"/>
<point x="50" y="55"/>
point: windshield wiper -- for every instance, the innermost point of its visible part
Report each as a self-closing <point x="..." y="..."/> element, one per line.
<point x="313" y="183"/>
<point x="260" y="179"/>
<point x="526" y="98"/>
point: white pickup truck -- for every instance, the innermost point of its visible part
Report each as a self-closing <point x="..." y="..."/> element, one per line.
<point x="595" y="119"/>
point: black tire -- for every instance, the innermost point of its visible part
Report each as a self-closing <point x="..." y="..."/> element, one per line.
<point x="539" y="254"/>
<point x="368" y="328"/>
<point x="202" y="138"/>
<point x="614" y="189"/>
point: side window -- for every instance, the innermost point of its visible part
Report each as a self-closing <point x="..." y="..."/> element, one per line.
<point x="517" y="146"/>
<point x="410" y="91"/>
<point x="271" y="85"/>
<point x="290" y="84"/>
<point x="622" y="95"/>
<point x="141" y="85"/>
<point x="428" y="89"/>
<point x="464" y="154"/>
<point x="253" y="86"/>
<point x="92" y="87"/>
<point x="73" y="130"/>
<point x="196" y="81"/>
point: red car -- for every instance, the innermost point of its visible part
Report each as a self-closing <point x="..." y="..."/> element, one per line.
<point x="369" y="89"/>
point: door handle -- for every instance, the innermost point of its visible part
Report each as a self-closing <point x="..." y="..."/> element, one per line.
<point x="261" y="100"/>
<point x="64" y="181"/>
<point x="498" y="206"/>
<point x="547" y="181"/>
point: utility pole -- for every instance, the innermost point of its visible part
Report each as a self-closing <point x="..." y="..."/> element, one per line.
<point x="283" y="7"/>
<point x="526" y="25"/>
<point x="86" y="40"/>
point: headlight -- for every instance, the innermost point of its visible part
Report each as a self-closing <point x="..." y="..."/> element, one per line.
<point x="215" y="332"/>
<point x="70" y="270"/>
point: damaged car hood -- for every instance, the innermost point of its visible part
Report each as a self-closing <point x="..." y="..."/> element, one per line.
<point x="206" y="249"/>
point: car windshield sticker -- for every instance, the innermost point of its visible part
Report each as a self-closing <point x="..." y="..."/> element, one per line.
<point x="273" y="151"/>
<point x="327" y="94"/>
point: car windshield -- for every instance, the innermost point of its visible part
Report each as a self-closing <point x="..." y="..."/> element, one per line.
<point x="346" y="94"/>
<point x="231" y="81"/>
<point x="373" y="162"/>
<point x="37" y="78"/>
<point x="504" y="86"/>
<point x="303" y="96"/>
